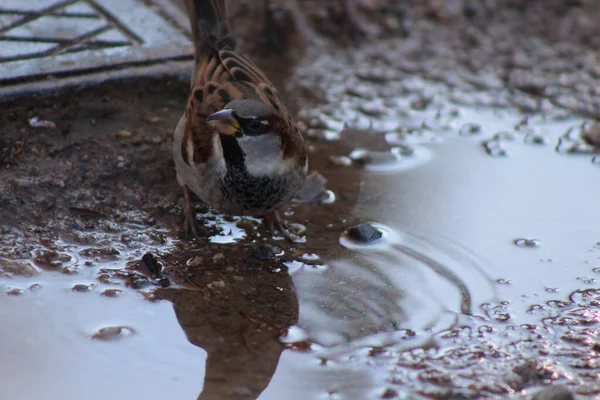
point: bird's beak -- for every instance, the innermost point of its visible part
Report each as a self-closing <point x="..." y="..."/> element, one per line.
<point x="224" y="122"/>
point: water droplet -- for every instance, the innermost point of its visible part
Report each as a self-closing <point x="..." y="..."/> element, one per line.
<point x="527" y="243"/>
<point x="111" y="333"/>
<point x="469" y="129"/>
<point x="551" y="289"/>
<point x="596" y="160"/>
<point x="596" y="270"/>
<point x="504" y="281"/>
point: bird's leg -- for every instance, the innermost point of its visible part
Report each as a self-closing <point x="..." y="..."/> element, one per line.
<point x="276" y="224"/>
<point x="193" y="228"/>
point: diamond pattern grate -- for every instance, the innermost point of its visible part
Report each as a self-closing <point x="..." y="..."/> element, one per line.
<point x="63" y="27"/>
<point x="50" y="37"/>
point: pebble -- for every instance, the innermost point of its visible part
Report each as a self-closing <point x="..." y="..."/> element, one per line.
<point x="81" y="288"/>
<point x="124" y="134"/>
<point x="264" y="252"/>
<point x="216" y="284"/>
<point x="554" y="393"/>
<point x="112" y="293"/>
<point x="15" y="292"/>
<point x="20" y="268"/>
<point x="152" y="265"/>
<point x="340" y="161"/>
<point x="364" y="233"/>
<point x="111" y="333"/>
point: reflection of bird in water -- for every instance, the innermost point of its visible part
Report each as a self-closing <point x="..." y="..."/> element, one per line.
<point x="237" y="320"/>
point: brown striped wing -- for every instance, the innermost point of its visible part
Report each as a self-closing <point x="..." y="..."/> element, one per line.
<point x="221" y="78"/>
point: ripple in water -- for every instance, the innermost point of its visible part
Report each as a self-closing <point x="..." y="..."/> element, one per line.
<point x="401" y="281"/>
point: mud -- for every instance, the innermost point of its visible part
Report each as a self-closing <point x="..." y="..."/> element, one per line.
<point x="464" y="141"/>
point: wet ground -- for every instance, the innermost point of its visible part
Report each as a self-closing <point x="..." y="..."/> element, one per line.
<point x="468" y="143"/>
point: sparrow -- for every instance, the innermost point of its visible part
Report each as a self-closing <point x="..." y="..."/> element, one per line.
<point x="236" y="147"/>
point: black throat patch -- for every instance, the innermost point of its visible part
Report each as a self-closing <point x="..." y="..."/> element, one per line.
<point x="233" y="154"/>
<point x="249" y="192"/>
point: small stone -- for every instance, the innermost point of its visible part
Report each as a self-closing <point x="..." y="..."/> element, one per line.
<point x="469" y="129"/>
<point x="15" y="292"/>
<point x="138" y="282"/>
<point x="36" y="122"/>
<point x="216" y="284"/>
<point x="112" y="293"/>
<point x="51" y="259"/>
<point x="364" y="233"/>
<point x="340" y="161"/>
<point x="106" y="253"/>
<point x="195" y="262"/>
<point x="81" y="288"/>
<point x="264" y="252"/>
<point x="35" y="287"/>
<point x="70" y="270"/>
<point x="156" y="139"/>
<point x="389" y="393"/>
<point x="20" y="268"/>
<point x="112" y="333"/>
<point x="154" y="119"/>
<point x="251" y="268"/>
<point x="592" y="135"/>
<point x="164" y="282"/>
<point x="554" y="393"/>
<point x="152" y="265"/>
<point x="124" y="134"/>
<point x="218" y="257"/>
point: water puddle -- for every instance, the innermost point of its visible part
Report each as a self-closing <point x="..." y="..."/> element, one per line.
<point x="473" y="273"/>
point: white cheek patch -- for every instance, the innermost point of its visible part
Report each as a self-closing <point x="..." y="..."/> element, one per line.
<point x="263" y="155"/>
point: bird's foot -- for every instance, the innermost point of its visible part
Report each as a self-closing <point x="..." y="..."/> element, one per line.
<point x="277" y="225"/>
<point x="193" y="228"/>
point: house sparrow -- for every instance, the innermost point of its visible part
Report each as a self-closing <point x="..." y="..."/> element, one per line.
<point x="236" y="147"/>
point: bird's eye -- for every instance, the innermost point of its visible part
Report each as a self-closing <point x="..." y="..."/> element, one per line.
<point x="255" y="126"/>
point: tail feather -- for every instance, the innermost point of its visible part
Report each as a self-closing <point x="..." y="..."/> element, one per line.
<point x="210" y="29"/>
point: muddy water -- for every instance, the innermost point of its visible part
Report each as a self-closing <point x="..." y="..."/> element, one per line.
<point x="482" y="284"/>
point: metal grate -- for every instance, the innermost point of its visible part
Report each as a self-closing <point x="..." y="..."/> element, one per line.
<point x="45" y="37"/>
